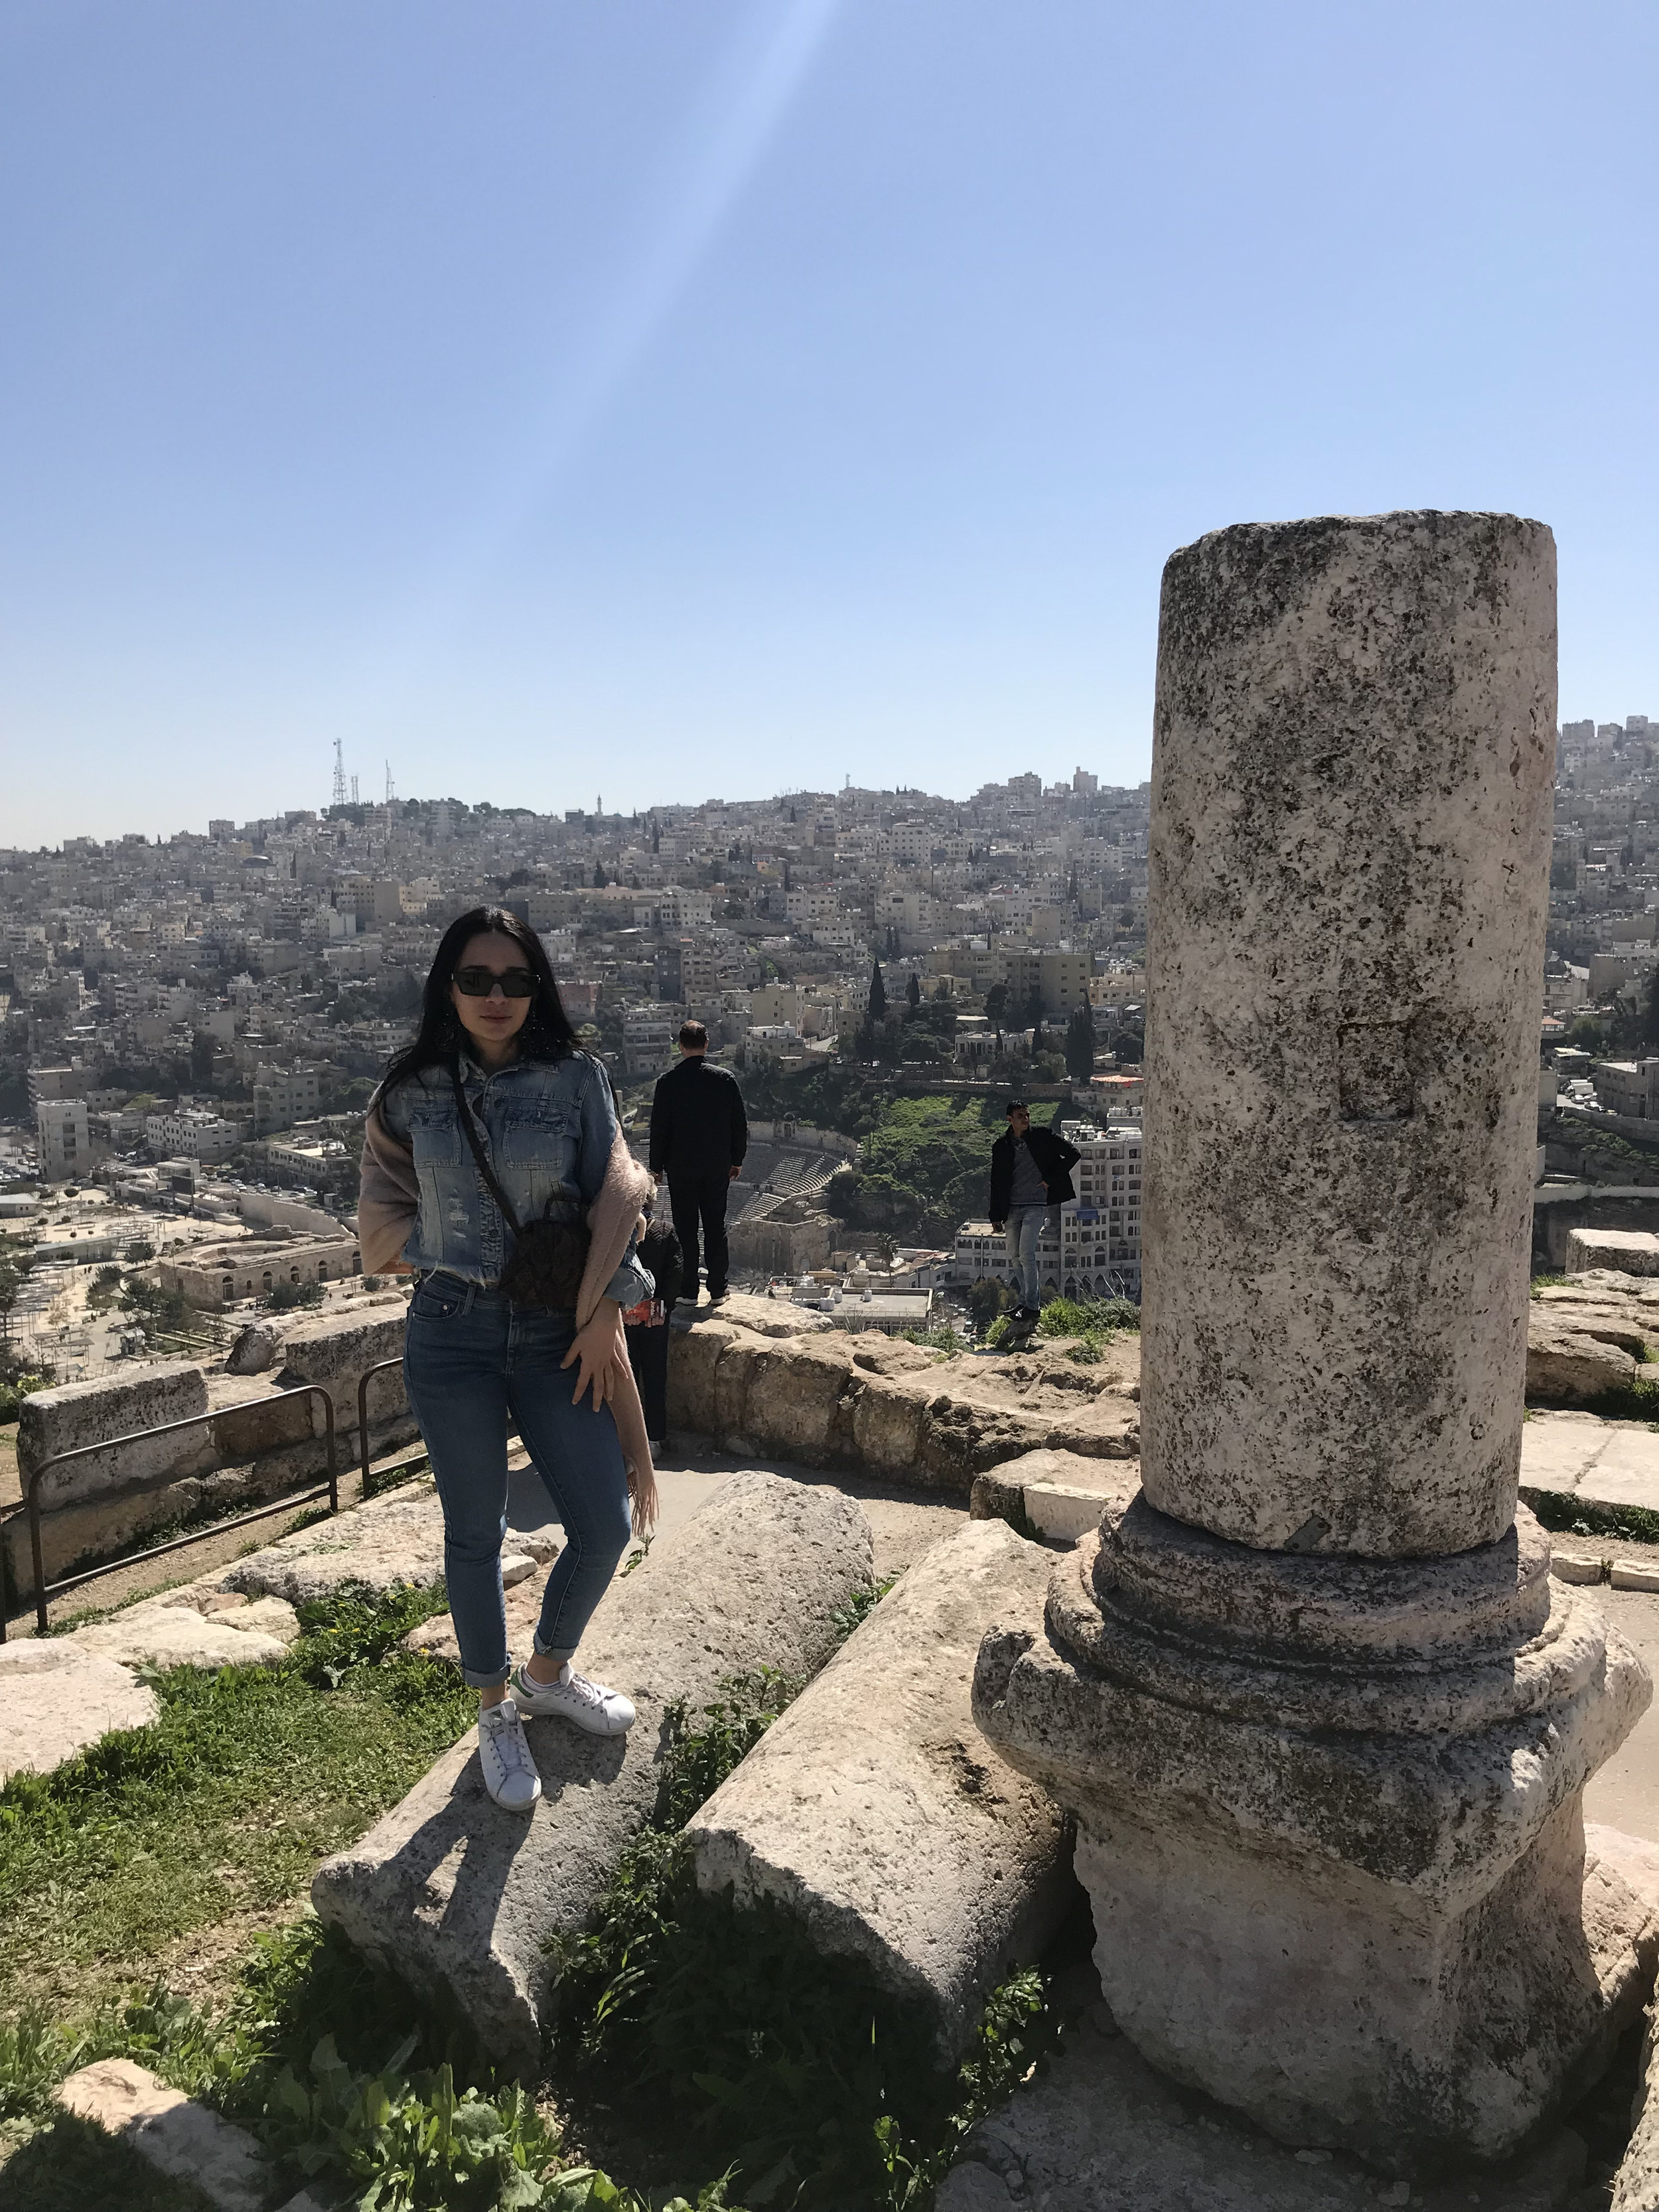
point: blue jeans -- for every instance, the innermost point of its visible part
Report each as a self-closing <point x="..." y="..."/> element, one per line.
<point x="472" y="1359"/>
<point x="1024" y="1227"/>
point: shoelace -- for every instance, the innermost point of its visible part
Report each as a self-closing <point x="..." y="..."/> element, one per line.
<point x="589" y="1692"/>
<point x="508" y="1739"/>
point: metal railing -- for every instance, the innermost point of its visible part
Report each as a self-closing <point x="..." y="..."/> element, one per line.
<point x="380" y="1367"/>
<point x="45" y="1590"/>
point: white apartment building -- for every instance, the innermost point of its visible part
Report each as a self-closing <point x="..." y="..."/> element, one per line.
<point x="193" y="1134"/>
<point x="1098" y="1251"/>
<point x="60" y="1133"/>
<point x="811" y="910"/>
<point x="648" y="1035"/>
<point x="282" y="1096"/>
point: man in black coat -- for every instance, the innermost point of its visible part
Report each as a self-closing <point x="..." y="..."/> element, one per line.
<point x="1030" y="1181"/>
<point x="699" y="1134"/>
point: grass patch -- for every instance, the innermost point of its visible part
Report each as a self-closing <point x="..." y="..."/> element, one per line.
<point x="1563" y="1515"/>
<point x="1546" y="1283"/>
<point x="792" y="2072"/>
<point x="222" y="1807"/>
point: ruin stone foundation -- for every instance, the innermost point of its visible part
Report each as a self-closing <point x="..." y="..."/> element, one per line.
<point x="1322" y="1717"/>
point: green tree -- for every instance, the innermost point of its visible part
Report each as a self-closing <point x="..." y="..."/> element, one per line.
<point x="912" y="992"/>
<point x="1081" y="1046"/>
<point x="878" y="994"/>
<point x="11" y="1287"/>
<point x="996" y="1005"/>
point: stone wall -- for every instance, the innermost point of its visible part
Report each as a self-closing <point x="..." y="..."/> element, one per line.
<point x="885" y="1408"/>
<point x="262" y="1443"/>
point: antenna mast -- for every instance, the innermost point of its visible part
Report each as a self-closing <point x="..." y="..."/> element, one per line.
<point x="339" y="772"/>
<point x="390" y="787"/>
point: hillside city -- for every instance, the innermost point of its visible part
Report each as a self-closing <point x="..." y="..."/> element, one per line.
<point x="191" y="1028"/>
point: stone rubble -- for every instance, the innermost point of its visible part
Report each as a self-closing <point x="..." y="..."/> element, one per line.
<point x="878" y="1773"/>
<point x="169" y="1632"/>
<point x="181" y="2138"/>
<point x="57" y="1696"/>
<point x="394" y="1539"/>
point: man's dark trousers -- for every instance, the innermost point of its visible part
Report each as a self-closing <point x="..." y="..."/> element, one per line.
<point x="696" y="1198"/>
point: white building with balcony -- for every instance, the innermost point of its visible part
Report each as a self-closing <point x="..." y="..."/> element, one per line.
<point x="1096" y="1253"/>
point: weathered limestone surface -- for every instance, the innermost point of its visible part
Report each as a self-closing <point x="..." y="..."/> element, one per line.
<point x="1061" y="1495"/>
<point x="57" y="1696"/>
<point x="1100" y="2130"/>
<point x="1629" y="1251"/>
<point x="391" y="1540"/>
<point x="886" y="1407"/>
<point x="1597" y="1333"/>
<point x="1323" y="1718"/>
<point x="263" y="1442"/>
<point x="78" y="1413"/>
<point x="873" y="1811"/>
<point x="461" y="1897"/>
<point x="1580" y="1455"/>
<point x="1226" y="1742"/>
<point x="1351" y="799"/>
<point x="172" y="2131"/>
<point x="160" y="1633"/>
<point x="337" y="1352"/>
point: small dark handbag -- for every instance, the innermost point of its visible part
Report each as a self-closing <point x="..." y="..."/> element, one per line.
<point x="549" y="1257"/>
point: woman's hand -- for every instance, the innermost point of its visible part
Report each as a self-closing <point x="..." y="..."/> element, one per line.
<point x="642" y="1495"/>
<point x="602" y="1351"/>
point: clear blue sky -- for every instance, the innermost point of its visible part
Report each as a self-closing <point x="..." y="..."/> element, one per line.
<point x="678" y="397"/>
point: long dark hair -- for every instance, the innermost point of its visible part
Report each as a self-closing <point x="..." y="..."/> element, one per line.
<point x="546" y="1035"/>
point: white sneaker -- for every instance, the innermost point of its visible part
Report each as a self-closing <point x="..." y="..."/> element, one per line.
<point x="589" y="1704"/>
<point x="509" y="1771"/>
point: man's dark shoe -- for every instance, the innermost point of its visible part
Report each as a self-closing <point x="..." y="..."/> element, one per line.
<point x="718" y="1297"/>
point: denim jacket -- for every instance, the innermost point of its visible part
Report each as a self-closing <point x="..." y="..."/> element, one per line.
<point x="546" y="1127"/>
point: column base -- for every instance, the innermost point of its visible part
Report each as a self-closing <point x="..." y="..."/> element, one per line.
<point x="1328" y="1814"/>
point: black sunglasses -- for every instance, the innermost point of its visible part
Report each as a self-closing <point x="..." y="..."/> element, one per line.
<point x="479" y="982"/>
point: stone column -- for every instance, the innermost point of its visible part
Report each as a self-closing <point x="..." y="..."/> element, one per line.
<point x="1323" y="1718"/>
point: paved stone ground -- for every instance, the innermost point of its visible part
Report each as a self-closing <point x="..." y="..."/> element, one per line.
<point x="1608" y="1462"/>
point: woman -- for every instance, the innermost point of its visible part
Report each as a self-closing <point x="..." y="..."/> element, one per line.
<point x="494" y="1102"/>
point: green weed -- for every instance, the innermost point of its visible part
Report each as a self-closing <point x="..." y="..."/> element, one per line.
<point x="790" y="2068"/>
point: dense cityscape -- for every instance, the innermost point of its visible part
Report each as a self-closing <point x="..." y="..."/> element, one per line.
<point x="190" y="1029"/>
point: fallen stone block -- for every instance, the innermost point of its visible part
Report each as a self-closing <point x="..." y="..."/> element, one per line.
<point x="172" y="2132"/>
<point x="460" y="1898"/>
<point x="1576" y="1567"/>
<point x="1574" y="1360"/>
<point x="1629" y="1251"/>
<point x="57" y="1696"/>
<point x="1635" y="1575"/>
<point x="156" y="1635"/>
<point x="1060" y="1495"/>
<point x="391" y="1542"/>
<point x="876" y="1814"/>
<point x="79" y="1413"/>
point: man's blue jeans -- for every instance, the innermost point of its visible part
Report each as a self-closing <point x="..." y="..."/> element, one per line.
<point x="1024" y="1227"/>
<point x="472" y="1359"/>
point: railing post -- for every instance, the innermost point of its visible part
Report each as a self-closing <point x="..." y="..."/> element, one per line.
<point x="380" y="1367"/>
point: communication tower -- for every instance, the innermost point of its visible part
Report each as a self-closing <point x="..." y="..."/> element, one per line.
<point x="339" y="772"/>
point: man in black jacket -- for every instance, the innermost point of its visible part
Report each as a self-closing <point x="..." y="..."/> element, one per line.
<point x="1030" y="1181"/>
<point x="699" y="1134"/>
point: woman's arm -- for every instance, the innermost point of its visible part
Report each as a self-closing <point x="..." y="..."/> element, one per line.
<point x="389" y="1195"/>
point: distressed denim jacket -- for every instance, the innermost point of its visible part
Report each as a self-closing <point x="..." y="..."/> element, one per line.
<point x="546" y="1127"/>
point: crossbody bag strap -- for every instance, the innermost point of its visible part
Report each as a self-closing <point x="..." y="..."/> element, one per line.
<point x="484" y="1169"/>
